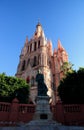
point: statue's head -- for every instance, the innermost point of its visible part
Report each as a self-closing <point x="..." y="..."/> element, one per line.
<point x="39" y="71"/>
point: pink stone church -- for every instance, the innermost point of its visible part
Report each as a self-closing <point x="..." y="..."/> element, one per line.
<point x="37" y="54"/>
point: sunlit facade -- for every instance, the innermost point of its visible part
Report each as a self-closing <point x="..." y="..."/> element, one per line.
<point x="37" y="54"/>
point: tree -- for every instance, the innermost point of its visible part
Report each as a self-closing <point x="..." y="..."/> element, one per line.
<point x="11" y="87"/>
<point x="71" y="88"/>
<point x="66" y="67"/>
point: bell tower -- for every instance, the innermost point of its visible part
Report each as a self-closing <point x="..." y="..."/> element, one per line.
<point x="37" y="54"/>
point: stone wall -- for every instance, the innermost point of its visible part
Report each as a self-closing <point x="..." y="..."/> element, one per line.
<point x="12" y="114"/>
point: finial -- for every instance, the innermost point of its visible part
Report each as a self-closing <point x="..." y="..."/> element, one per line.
<point x="38" y="23"/>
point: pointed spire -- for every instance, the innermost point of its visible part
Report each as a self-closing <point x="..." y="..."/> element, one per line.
<point x="59" y="44"/>
<point x="39" y="24"/>
<point x="39" y="31"/>
<point x="26" y="42"/>
<point x="60" y="47"/>
<point x="50" y="43"/>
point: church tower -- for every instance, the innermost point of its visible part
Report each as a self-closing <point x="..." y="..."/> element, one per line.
<point x="37" y="54"/>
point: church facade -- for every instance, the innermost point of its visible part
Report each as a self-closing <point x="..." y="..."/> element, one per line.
<point x="37" y="54"/>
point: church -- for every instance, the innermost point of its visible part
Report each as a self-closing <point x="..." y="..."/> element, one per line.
<point x="37" y="54"/>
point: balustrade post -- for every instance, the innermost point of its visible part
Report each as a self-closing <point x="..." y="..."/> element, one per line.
<point x="13" y="115"/>
<point x="60" y="112"/>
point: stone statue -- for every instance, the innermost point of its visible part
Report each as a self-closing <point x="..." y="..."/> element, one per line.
<point x="42" y="88"/>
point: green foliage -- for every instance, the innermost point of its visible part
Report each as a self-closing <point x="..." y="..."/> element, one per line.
<point x="71" y="88"/>
<point x="11" y="87"/>
<point x="67" y="67"/>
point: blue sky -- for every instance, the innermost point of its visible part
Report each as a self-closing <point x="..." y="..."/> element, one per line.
<point x="60" y="19"/>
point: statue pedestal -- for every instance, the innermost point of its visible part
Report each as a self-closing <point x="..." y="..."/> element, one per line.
<point x="42" y="111"/>
<point x="42" y="119"/>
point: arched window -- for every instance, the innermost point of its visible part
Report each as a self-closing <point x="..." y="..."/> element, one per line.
<point x="39" y="59"/>
<point x="39" y="44"/>
<point x="28" y="49"/>
<point x="35" y="61"/>
<point x="23" y="65"/>
<point x="32" y="81"/>
<point x="28" y="61"/>
<point x="49" y="64"/>
<point x="35" y="46"/>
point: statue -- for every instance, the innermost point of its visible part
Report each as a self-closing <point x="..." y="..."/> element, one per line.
<point x="42" y="88"/>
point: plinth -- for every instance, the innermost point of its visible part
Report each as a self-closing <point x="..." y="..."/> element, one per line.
<point x="42" y="111"/>
<point x="42" y="119"/>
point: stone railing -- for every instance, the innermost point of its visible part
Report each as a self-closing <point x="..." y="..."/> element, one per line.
<point x="15" y="113"/>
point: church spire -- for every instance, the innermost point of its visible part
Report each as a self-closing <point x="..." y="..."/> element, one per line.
<point x="39" y="31"/>
<point x="26" y="42"/>
<point x="60" y="47"/>
<point x="38" y="24"/>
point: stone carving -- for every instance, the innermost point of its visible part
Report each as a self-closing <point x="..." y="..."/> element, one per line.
<point x="42" y="88"/>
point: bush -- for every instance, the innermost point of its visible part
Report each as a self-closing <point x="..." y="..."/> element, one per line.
<point x="11" y="87"/>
